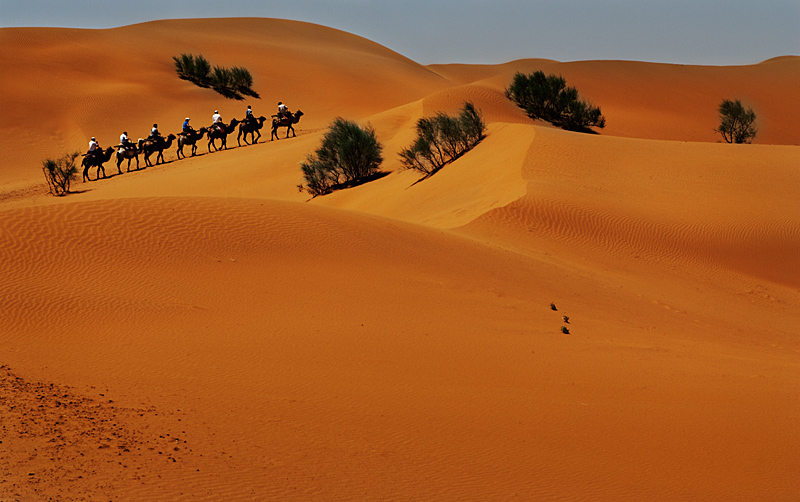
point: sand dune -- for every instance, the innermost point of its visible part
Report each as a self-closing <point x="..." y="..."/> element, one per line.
<point x="200" y="330"/>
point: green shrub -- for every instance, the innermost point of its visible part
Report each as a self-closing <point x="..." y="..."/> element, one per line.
<point x="202" y="72"/>
<point x="736" y="122"/>
<point x="442" y="139"/>
<point x="349" y="154"/>
<point x="184" y="65"/>
<point x="60" y="172"/>
<point x="232" y="83"/>
<point x="242" y="82"/>
<point x="548" y="98"/>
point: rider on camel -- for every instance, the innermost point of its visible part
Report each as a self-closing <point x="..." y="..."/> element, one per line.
<point x="187" y="129"/>
<point x="283" y="112"/>
<point x="248" y="115"/>
<point x="94" y="148"/>
<point x="123" y="140"/>
<point x="217" y="118"/>
<point x="154" y="134"/>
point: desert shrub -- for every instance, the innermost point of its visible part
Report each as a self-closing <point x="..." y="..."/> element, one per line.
<point x="442" y="139"/>
<point x="232" y="83"/>
<point x="184" y="65"/>
<point x="242" y="81"/>
<point x="547" y="97"/>
<point x="736" y="122"/>
<point x="202" y="72"/>
<point x="349" y="154"/>
<point x="221" y="81"/>
<point x="60" y="172"/>
<point x="195" y="69"/>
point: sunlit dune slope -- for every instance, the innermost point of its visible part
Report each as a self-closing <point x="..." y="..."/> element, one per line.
<point x="726" y="206"/>
<point x="69" y="85"/>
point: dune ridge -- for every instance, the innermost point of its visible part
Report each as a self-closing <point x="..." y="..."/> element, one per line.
<point x="395" y="340"/>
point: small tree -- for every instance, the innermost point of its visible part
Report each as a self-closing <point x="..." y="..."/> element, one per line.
<point x="202" y="71"/>
<point x="736" y="123"/>
<point x="232" y="83"/>
<point x="548" y="98"/>
<point x="348" y="154"/>
<point x="184" y="65"/>
<point x="242" y="81"/>
<point x="442" y="139"/>
<point x="60" y="172"/>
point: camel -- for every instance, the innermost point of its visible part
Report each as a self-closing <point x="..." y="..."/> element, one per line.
<point x="190" y="139"/>
<point x="150" y="145"/>
<point x="214" y="133"/>
<point x="96" y="160"/>
<point x="129" y="153"/>
<point x="284" y="122"/>
<point x="252" y="128"/>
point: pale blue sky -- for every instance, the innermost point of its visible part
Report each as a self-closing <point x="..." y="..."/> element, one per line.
<point x="714" y="32"/>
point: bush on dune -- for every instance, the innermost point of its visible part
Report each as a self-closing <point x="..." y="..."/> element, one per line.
<point x="442" y="139"/>
<point x="233" y="83"/>
<point x="60" y="172"/>
<point x="349" y="154"/>
<point x="548" y="98"/>
<point x="737" y="124"/>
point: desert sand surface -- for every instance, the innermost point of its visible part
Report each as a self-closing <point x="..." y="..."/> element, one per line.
<point x="201" y="330"/>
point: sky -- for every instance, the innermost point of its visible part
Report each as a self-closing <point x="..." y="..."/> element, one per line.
<point x="704" y="32"/>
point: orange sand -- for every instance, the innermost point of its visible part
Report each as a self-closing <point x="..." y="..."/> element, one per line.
<point x="198" y="330"/>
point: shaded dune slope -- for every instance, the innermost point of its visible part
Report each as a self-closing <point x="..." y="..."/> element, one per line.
<point x="434" y="354"/>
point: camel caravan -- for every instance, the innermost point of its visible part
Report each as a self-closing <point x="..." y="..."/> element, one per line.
<point x="127" y="150"/>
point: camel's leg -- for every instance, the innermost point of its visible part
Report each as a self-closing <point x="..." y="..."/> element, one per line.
<point x="86" y="173"/>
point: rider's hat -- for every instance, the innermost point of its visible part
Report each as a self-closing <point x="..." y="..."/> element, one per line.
<point x="92" y="138"/>
<point x="187" y="118"/>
